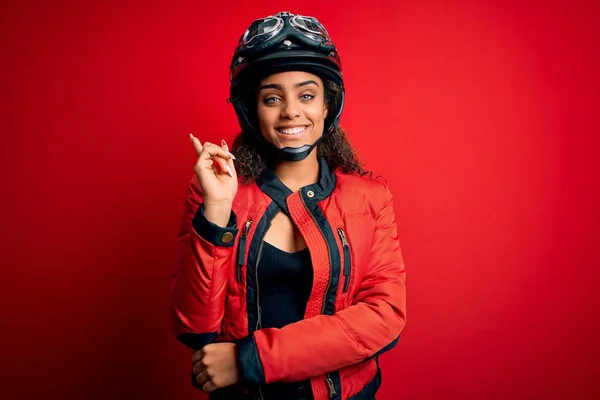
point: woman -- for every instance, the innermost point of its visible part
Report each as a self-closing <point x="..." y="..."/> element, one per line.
<point x="290" y="280"/>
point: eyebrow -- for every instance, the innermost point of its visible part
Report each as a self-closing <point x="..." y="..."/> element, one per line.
<point x="278" y="87"/>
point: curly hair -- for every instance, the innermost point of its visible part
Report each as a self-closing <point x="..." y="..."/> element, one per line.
<point x="252" y="159"/>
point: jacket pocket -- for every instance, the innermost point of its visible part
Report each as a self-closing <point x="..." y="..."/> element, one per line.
<point x="241" y="252"/>
<point x="347" y="258"/>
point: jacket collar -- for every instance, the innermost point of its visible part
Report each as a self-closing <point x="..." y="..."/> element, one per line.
<point x="272" y="186"/>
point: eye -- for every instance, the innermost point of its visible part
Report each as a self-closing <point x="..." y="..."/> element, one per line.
<point x="270" y="100"/>
<point x="307" y="97"/>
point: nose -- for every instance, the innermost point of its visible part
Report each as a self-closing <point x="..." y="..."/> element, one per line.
<point x="290" y="110"/>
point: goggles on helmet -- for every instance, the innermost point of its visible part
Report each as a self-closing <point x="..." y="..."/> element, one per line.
<point x="283" y="31"/>
<point x="307" y="29"/>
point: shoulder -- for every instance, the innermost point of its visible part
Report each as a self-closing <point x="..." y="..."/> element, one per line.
<point x="368" y="192"/>
<point x="348" y="184"/>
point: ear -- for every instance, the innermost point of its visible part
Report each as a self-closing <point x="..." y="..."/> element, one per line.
<point x="326" y="110"/>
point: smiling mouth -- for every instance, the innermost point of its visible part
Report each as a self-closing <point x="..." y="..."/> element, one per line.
<point x="291" y="131"/>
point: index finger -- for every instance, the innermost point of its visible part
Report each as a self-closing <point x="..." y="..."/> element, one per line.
<point x="197" y="356"/>
<point x="197" y="145"/>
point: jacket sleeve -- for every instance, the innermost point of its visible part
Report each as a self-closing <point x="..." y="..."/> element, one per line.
<point x="198" y="284"/>
<point x="326" y="343"/>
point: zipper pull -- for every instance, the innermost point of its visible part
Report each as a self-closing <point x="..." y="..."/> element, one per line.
<point x="247" y="227"/>
<point x="347" y="258"/>
<point x="241" y="255"/>
<point x="332" y="392"/>
<point x="343" y="237"/>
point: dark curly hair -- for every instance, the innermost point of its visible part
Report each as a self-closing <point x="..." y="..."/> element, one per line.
<point x="252" y="159"/>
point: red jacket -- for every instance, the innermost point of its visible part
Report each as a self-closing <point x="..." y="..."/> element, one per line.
<point x="357" y="307"/>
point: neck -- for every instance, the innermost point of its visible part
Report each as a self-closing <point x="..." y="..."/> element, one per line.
<point x="298" y="174"/>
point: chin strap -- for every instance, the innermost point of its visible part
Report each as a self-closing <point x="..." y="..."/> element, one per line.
<point x="297" y="153"/>
<point x="293" y="154"/>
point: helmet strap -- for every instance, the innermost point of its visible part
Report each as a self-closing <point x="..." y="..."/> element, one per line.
<point x="291" y="154"/>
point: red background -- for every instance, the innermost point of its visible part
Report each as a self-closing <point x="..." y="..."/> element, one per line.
<point x="483" y="116"/>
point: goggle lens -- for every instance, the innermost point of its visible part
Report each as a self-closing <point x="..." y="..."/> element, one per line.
<point x="311" y="26"/>
<point x="262" y="28"/>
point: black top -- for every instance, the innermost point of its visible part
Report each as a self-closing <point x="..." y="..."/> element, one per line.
<point x="285" y="282"/>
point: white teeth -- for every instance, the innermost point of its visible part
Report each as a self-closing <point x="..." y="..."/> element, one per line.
<point x="292" y="131"/>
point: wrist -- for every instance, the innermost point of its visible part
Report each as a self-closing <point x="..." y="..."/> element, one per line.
<point x="218" y="213"/>
<point x="207" y="201"/>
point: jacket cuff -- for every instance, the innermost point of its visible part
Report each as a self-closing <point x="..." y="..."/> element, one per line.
<point x="251" y="370"/>
<point x="213" y="233"/>
<point x="197" y="341"/>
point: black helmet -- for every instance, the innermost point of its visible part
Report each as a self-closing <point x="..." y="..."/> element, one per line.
<point x="279" y="43"/>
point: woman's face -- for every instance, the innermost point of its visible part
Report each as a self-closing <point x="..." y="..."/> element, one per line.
<point x="291" y="108"/>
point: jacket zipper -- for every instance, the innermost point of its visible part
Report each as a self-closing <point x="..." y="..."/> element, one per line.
<point x="259" y="316"/>
<point x="347" y="258"/>
<point x="332" y="392"/>
<point x="256" y="281"/>
<point x="260" y="246"/>
<point x="241" y="256"/>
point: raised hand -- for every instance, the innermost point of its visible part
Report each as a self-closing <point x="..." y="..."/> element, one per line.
<point x="218" y="179"/>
